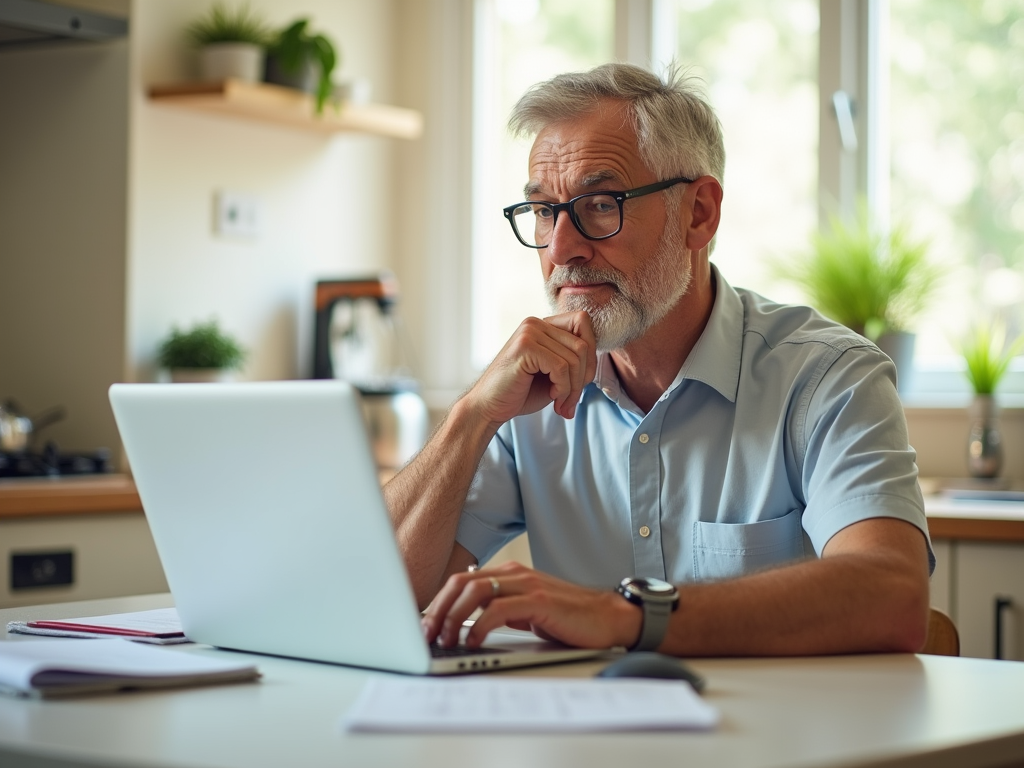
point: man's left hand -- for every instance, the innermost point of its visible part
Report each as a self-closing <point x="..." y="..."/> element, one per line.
<point x="528" y="599"/>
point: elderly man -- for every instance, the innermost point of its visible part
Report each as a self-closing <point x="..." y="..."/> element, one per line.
<point x="701" y="471"/>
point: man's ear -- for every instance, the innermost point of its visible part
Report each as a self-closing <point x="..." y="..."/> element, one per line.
<point x="706" y="207"/>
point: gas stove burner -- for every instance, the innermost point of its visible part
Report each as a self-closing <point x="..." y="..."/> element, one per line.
<point x="52" y="462"/>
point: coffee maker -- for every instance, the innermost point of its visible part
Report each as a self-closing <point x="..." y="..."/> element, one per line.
<point x="358" y="338"/>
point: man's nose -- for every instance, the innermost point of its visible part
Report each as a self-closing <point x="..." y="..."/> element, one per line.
<point x="568" y="245"/>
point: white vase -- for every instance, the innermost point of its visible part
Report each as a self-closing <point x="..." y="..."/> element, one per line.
<point x="239" y="61"/>
<point x="899" y="346"/>
<point x="200" y="375"/>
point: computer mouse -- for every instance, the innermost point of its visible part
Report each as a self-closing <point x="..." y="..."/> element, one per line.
<point x="652" y="665"/>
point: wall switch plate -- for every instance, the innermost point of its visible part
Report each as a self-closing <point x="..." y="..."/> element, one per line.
<point x="237" y="215"/>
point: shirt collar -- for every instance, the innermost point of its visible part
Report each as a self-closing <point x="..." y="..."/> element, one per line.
<point x="714" y="359"/>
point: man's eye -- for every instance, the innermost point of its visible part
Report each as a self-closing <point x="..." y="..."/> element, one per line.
<point x="543" y="212"/>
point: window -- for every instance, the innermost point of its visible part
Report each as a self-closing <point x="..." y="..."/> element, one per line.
<point x="957" y="139"/>
<point x="518" y="43"/>
<point x="767" y="101"/>
<point x="938" y="103"/>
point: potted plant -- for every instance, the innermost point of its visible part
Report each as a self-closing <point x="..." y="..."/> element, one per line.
<point x="203" y="353"/>
<point x="988" y="357"/>
<point x="874" y="282"/>
<point x="231" y="44"/>
<point x="299" y="59"/>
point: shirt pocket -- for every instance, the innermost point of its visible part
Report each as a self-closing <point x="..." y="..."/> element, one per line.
<point x="728" y="550"/>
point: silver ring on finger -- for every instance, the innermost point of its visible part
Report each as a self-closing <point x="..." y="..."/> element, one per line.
<point x="495" y="587"/>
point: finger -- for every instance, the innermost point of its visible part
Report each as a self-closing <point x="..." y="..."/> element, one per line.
<point x="477" y="594"/>
<point x="521" y="610"/>
<point x="584" y="346"/>
<point x="433" y="617"/>
<point x="544" y="353"/>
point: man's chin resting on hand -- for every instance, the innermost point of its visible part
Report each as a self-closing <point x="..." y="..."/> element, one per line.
<point x="701" y="471"/>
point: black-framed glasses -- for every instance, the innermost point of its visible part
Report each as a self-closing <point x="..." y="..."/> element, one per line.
<point x="596" y="215"/>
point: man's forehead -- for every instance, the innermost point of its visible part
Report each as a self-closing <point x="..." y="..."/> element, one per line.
<point x="581" y="159"/>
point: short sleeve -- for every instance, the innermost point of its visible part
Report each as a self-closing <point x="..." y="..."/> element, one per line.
<point x="493" y="513"/>
<point x="858" y="463"/>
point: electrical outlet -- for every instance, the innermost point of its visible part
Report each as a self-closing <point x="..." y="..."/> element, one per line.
<point x="42" y="569"/>
<point x="237" y="215"/>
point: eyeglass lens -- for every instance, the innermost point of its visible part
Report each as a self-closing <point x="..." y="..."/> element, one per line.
<point x="595" y="215"/>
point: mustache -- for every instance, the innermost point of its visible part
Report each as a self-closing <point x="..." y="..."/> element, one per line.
<point x="582" y="275"/>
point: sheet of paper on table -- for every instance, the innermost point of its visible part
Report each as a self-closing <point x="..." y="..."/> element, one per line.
<point x="496" y="704"/>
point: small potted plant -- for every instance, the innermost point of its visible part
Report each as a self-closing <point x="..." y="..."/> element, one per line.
<point x="875" y="283"/>
<point x="231" y="44"/>
<point x="203" y="353"/>
<point x="988" y="357"/>
<point x="299" y="59"/>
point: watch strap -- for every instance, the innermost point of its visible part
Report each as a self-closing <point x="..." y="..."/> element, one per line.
<point x="654" y="626"/>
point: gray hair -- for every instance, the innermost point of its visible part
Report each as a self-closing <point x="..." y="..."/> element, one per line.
<point x="678" y="133"/>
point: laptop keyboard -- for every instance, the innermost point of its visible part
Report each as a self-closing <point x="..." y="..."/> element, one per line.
<point x="460" y="650"/>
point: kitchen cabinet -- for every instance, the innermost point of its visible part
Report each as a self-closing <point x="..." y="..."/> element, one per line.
<point x="989" y="595"/>
<point x="286" y="106"/>
<point x="979" y="576"/>
<point x="89" y="532"/>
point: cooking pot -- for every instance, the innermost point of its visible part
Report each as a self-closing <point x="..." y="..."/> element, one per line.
<point x="16" y="428"/>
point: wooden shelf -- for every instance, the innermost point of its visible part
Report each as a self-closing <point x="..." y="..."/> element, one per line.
<point x="286" y="106"/>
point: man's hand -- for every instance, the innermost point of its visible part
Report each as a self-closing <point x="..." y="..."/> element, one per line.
<point x="549" y="360"/>
<point x="528" y="599"/>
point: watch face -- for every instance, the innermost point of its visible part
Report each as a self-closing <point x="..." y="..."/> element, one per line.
<point x="656" y="586"/>
<point x="644" y="587"/>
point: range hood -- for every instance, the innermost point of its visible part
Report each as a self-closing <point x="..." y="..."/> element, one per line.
<point x="23" y="22"/>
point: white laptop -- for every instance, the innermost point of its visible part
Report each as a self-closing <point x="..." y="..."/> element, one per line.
<point x="264" y="503"/>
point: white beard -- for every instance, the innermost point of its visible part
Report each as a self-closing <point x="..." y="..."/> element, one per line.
<point x="637" y="303"/>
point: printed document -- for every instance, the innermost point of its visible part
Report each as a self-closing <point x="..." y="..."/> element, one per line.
<point x="490" y="704"/>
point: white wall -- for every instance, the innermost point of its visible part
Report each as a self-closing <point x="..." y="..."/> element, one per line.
<point x="324" y="199"/>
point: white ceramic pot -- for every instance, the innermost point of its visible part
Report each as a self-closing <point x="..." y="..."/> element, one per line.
<point x="239" y="61"/>
<point x="899" y="346"/>
<point x="200" y="375"/>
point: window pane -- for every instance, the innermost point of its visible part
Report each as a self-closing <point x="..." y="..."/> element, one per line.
<point x="957" y="132"/>
<point x="760" y="63"/>
<point x="518" y="43"/>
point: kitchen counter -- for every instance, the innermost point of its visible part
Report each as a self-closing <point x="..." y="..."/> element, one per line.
<point x="112" y="494"/>
<point x="32" y="497"/>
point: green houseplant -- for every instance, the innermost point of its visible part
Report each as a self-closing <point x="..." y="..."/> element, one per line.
<point x="988" y="356"/>
<point x="300" y="59"/>
<point x="201" y="353"/>
<point x="871" y="281"/>
<point x="231" y="43"/>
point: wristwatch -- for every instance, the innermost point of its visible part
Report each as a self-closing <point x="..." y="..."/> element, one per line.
<point x="658" y="599"/>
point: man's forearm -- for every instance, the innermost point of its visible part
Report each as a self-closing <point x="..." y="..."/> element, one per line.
<point x="426" y="498"/>
<point x="847" y="603"/>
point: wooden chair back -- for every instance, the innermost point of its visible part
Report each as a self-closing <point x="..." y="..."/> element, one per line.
<point x="943" y="639"/>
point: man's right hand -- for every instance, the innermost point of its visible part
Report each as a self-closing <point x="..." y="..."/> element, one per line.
<point x="549" y="360"/>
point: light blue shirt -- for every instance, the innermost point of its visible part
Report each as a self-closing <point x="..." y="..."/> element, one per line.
<point x="781" y="429"/>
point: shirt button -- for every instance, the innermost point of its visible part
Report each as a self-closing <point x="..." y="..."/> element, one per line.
<point x="645" y="531"/>
<point x="644" y="438"/>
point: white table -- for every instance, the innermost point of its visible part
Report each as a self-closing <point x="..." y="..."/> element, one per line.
<point x="885" y="710"/>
